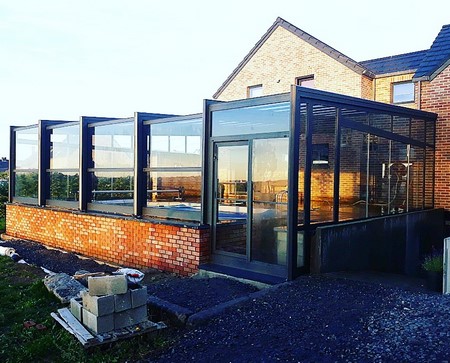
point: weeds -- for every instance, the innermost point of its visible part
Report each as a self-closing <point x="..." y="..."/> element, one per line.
<point x="24" y="297"/>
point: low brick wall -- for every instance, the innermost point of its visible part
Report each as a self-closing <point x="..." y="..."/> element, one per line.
<point x="120" y="240"/>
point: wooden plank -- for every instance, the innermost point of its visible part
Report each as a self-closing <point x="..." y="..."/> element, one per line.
<point x="62" y="322"/>
<point x="68" y="328"/>
<point x="77" y="327"/>
<point x="74" y="327"/>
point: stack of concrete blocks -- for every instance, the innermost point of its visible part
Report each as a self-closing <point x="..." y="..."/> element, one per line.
<point x="110" y="305"/>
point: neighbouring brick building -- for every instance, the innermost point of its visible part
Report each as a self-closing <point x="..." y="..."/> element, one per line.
<point x="273" y="179"/>
<point x="287" y="55"/>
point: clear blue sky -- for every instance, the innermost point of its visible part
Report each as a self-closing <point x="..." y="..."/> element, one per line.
<point x="62" y="59"/>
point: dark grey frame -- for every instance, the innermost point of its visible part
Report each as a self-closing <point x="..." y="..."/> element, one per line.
<point x="45" y="156"/>
<point x="164" y="213"/>
<point x="301" y="95"/>
<point x="297" y="96"/>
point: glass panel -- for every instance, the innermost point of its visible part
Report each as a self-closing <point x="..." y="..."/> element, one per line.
<point x="113" y="146"/>
<point x="27" y="148"/>
<point x="273" y="117"/>
<point x="418" y="129"/>
<point x="112" y="188"/>
<point x="353" y="175"/>
<point x="64" y="147"/>
<point x="64" y="186"/>
<point x="379" y="151"/>
<point x="398" y="178"/>
<point x="355" y="115"/>
<point x="176" y="144"/>
<point x="269" y="217"/>
<point x="381" y="121"/>
<point x="174" y="189"/>
<point x="302" y="161"/>
<point x="322" y="171"/>
<point x="416" y="170"/>
<point x="26" y="184"/>
<point x="400" y="125"/>
<point x="429" y="177"/>
<point x="231" y="200"/>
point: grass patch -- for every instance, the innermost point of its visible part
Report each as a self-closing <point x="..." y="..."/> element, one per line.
<point x="2" y="224"/>
<point x="24" y="297"/>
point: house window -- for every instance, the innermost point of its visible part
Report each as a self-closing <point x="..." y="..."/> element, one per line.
<point x="320" y="154"/>
<point x="402" y="92"/>
<point x="255" y="91"/>
<point x="305" y="81"/>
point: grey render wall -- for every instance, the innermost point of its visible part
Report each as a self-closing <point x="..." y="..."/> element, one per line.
<point x="394" y="244"/>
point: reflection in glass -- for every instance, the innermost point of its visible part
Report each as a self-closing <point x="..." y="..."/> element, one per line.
<point x="113" y="146"/>
<point x="64" y="147"/>
<point x="381" y="190"/>
<point x="322" y="168"/>
<point x="418" y="129"/>
<point x="269" y="215"/>
<point x="174" y="188"/>
<point x="400" y="125"/>
<point x="112" y="188"/>
<point x="415" y="178"/>
<point x="273" y="117"/>
<point x="27" y="148"/>
<point x="380" y="121"/>
<point x="231" y="199"/>
<point x="353" y="175"/>
<point x="26" y="184"/>
<point x="64" y="186"/>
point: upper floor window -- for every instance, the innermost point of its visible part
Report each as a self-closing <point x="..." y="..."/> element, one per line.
<point x="402" y="92"/>
<point x="305" y="81"/>
<point x="255" y="91"/>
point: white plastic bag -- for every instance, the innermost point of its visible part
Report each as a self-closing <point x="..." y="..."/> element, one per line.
<point x="132" y="275"/>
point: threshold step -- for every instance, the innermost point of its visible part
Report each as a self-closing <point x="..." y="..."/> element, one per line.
<point x="239" y="274"/>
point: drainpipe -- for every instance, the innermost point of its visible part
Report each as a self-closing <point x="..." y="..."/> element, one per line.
<point x="419" y="95"/>
<point x="374" y="89"/>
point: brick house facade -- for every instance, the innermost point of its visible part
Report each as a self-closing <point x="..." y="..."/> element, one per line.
<point x="286" y="53"/>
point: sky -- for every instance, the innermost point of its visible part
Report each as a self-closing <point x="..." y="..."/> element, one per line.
<point x="61" y="59"/>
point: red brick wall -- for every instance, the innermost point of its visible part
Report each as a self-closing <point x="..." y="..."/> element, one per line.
<point x="436" y="98"/>
<point x="122" y="241"/>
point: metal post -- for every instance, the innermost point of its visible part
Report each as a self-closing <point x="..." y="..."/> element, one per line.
<point x="293" y="162"/>
<point x="337" y="166"/>
<point x="140" y="187"/>
<point x="12" y="163"/>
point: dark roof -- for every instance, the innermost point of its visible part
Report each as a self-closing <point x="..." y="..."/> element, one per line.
<point x="333" y="53"/>
<point x="437" y="56"/>
<point x="395" y="63"/>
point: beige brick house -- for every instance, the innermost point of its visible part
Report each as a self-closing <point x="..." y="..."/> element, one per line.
<point x="287" y="55"/>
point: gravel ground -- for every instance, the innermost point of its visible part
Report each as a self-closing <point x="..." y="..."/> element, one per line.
<point x="324" y="319"/>
<point x="54" y="260"/>
<point x="312" y="319"/>
<point x="200" y="294"/>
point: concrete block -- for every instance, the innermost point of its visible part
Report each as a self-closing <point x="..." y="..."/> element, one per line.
<point x="138" y="297"/>
<point x="122" y="302"/>
<point x="98" y="324"/>
<point x="76" y="308"/>
<point x="107" y="285"/>
<point x="98" y="305"/>
<point x="130" y="317"/>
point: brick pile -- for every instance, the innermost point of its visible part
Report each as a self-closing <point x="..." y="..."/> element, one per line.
<point x="110" y="305"/>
